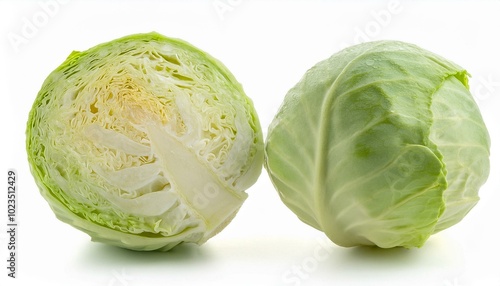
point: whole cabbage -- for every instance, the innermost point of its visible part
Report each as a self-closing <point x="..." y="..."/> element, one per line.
<point x="380" y="144"/>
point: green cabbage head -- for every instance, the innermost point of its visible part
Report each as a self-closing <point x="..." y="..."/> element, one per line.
<point x="144" y="142"/>
<point x="380" y="144"/>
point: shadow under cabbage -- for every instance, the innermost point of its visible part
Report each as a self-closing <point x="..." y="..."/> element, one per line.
<point x="99" y="253"/>
<point x="440" y="253"/>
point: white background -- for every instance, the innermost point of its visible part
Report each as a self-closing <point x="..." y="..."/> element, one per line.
<point x="267" y="45"/>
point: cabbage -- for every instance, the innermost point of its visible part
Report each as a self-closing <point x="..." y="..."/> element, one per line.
<point x="380" y="144"/>
<point x="144" y="142"/>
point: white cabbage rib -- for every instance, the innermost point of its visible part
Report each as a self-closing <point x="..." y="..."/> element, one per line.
<point x="115" y="140"/>
<point x="210" y="197"/>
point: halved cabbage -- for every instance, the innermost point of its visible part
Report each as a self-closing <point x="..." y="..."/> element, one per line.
<point x="144" y="142"/>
